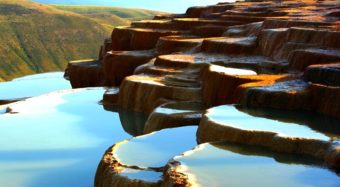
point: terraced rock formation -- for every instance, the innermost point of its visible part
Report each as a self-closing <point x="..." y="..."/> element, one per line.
<point x="261" y="55"/>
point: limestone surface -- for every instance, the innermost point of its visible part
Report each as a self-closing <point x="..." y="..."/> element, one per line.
<point x="253" y="126"/>
<point x="267" y="37"/>
<point x="243" y="60"/>
<point x="146" y="155"/>
<point x="174" y="114"/>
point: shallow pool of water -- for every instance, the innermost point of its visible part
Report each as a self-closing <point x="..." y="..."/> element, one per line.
<point x="223" y="164"/>
<point x="57" y="139"/>
<point x="143" y="175"/>
<point x="285" y="123"/>
<point x="41" y="76"/>
<point x="33" y="85"/>
<point x="156" y="149"/>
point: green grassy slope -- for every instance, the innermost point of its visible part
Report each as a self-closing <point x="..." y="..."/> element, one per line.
<point x="109" y="16"/>
<point x="39" y="38"/>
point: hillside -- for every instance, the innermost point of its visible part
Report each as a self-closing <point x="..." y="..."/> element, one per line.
<point x="173" y="6"/>
<point x="109" y="16"/>
<point x="39" y="38"/>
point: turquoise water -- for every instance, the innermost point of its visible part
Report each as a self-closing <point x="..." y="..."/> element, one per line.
<point x="176" y="6"/>
<point x="41" y="76"/>
<point x="224" y="164"/>
<point x="33" y="85"/>
<point x="143" y="156"/>
<point x="144" y="175"/>
<point x="288" y="124"/>
<point x="156" y="149"/>
<point x="57" y="139"/>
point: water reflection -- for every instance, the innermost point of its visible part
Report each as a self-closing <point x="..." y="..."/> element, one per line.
<point x="32" y="85"/>
<point x="225" y="164"/>
<point x="325" y="124"/>
<point x="3" y="110"/>
<point x="154" y="150"/>
<point x="288" y="124"/>
<point x="143" y="175"/>
<point x="56" y="139"/>
<point x="41" y="76"/>
<point x="132" y="122"/>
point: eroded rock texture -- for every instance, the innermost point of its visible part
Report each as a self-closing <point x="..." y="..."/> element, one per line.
<point x="174" y="114"/>
<point x="141" y="160"/>
<point x="266" y="54"/>
<point x="278" y="130"/>
<point x="85" y="73"/>
<point x="288" y="38"/>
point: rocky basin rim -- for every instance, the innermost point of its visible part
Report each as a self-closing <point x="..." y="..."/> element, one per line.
<point x="251" y="73"/>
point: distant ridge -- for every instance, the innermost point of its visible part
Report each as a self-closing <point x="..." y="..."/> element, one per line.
<point x="109" y="16"/>
<point x="39" y="38"/>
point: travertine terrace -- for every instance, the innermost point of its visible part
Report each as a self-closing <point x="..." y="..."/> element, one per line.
<point x="213" y="63"/>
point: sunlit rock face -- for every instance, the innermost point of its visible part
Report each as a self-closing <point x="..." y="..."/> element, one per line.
<point x="251" y="29"/>
<point x="227" y="164"/>
<point x="174" y="114"/>
<point x="300" y="59"/>
<point x="235" y="81"/>
<point x="176" y="61"/>
<point x="129" y="38"/>
<point x="172" y="44"/>
<point x="278" y="130"/>
<point x="32" y="85"/>
<point x="279" y="62"/>
<point x="281" y="40"/>
<point x="141" y="160"/>
<point x="144" y="93"/>
<point x="230" y="45"/>
<point x="296" y="94"/>
<point x="120" y="64"/>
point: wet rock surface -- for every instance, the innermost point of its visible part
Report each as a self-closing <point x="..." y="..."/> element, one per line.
<point x="296" y="95"/>
<point x="324" y="74"/>
<point x="278" y="61"/>
<point x="254" y="126"/>
<point x="146" y="155"/>
<point x="266" y="37"/>
<point x="144" y="93"/>
<point x="174" y="114"/>
<point x="85" y="73"/>
<point x="119" y="64"/>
